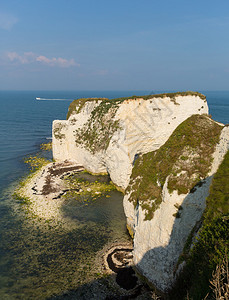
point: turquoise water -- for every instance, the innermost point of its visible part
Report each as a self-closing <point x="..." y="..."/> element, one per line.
<point x="38" y="262"/>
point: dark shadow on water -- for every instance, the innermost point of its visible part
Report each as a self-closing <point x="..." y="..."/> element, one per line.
<point x="50" y="258"/>
<point x="104" y="289"/>
<point x="126" y="278"/>
<point x="124" y="284"/>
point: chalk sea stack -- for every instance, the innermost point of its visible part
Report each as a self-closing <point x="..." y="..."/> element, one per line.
<point x="162" y="151"/>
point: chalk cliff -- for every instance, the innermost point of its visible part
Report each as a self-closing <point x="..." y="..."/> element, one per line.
<point x="166" y="197"/>
<point x="163" y="151"/>
<point x="106" y="135"/>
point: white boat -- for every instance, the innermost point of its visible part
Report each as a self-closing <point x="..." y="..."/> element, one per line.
<point x="38" y="98"/>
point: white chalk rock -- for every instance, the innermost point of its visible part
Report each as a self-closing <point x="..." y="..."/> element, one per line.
<point x="159" y="242"/>
<point x="145" y="125"/>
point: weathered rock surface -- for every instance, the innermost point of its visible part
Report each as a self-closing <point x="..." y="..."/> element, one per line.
<point x="144" y="125"/>
<point x="159" y="242"/>
<point x="110" y="141"/>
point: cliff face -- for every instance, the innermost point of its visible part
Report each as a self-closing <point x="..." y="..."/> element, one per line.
<point x="107" y="135"/>
<point x="167" y="194"/>
<point x="163" y="150"/>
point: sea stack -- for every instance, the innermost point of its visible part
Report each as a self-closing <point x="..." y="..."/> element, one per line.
<point x="162" y="152"/>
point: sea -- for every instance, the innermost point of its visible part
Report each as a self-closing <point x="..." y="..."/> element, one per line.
<point x="38" y="263"/>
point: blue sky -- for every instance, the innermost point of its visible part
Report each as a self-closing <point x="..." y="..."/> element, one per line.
<point x="114" y="45"/>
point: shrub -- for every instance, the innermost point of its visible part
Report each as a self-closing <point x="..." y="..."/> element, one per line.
<point x="211" y="247"/>
<point x="195" y="138"/>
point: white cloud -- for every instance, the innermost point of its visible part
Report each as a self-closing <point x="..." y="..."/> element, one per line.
<point x="7" y="21"/>
<point x="61" y="62"/>
<point x="30" y="57"/>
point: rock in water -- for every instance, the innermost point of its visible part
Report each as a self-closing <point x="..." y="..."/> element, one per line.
<point x="106" y="135"/>
<point x="163" y="151"/>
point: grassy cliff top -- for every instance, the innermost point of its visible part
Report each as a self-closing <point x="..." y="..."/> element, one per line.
<point x="76" y="105"/>
<point x="186" y="158"/>
<point x="217" y="203"/>
<point x="212" y="244"/>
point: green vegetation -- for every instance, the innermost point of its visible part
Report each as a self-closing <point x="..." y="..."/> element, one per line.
<point x="77" y="105"/>
<point x="164" y="95"/>
<point x="218" y="200"/>
<point x="46" y="146"/>
<point x="95" y="135"/>
<point x="178" y="213"/>
<point x="21" y="199"/>
<point x="57" y="132"/>
<point x="186" y="157"/>
<point x="212" y="244"/>
<point x="36" y="162"/>
<point x="82" y="189"/>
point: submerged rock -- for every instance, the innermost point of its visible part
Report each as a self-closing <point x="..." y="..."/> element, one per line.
<point x="163" y="150"/>
<point x="167" y="195"/>
<point x="105" y="136"/>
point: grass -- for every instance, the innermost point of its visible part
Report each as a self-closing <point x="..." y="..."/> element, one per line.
<point x="76" y="105"/>
<point x="186" y="157"/>
<point x="164" y="95"/>
<point x="212" y="244"/>
<point x="57" y="132"/>
<point x="218" y="200"/>
<point x="96" y="134"/>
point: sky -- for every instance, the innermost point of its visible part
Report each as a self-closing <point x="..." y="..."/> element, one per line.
<point x="114" y="45"/>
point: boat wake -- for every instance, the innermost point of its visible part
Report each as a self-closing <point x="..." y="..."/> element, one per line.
<point x="37" y="98"/>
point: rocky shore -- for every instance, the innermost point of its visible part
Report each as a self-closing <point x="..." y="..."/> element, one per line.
<point x="44" y="193"/>
<point x="162" y="151"/>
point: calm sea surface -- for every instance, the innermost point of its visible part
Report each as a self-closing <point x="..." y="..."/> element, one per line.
<point x="36" y="263"/>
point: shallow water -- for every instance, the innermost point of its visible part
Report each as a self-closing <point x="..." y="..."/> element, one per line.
<point x="42" y="260"/>
<point x="38" y="261"/>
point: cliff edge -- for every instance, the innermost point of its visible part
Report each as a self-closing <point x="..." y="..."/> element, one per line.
<point x="106" y="136"/>
<point x="166" y="196"/>
<point x="163" y="151"/>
